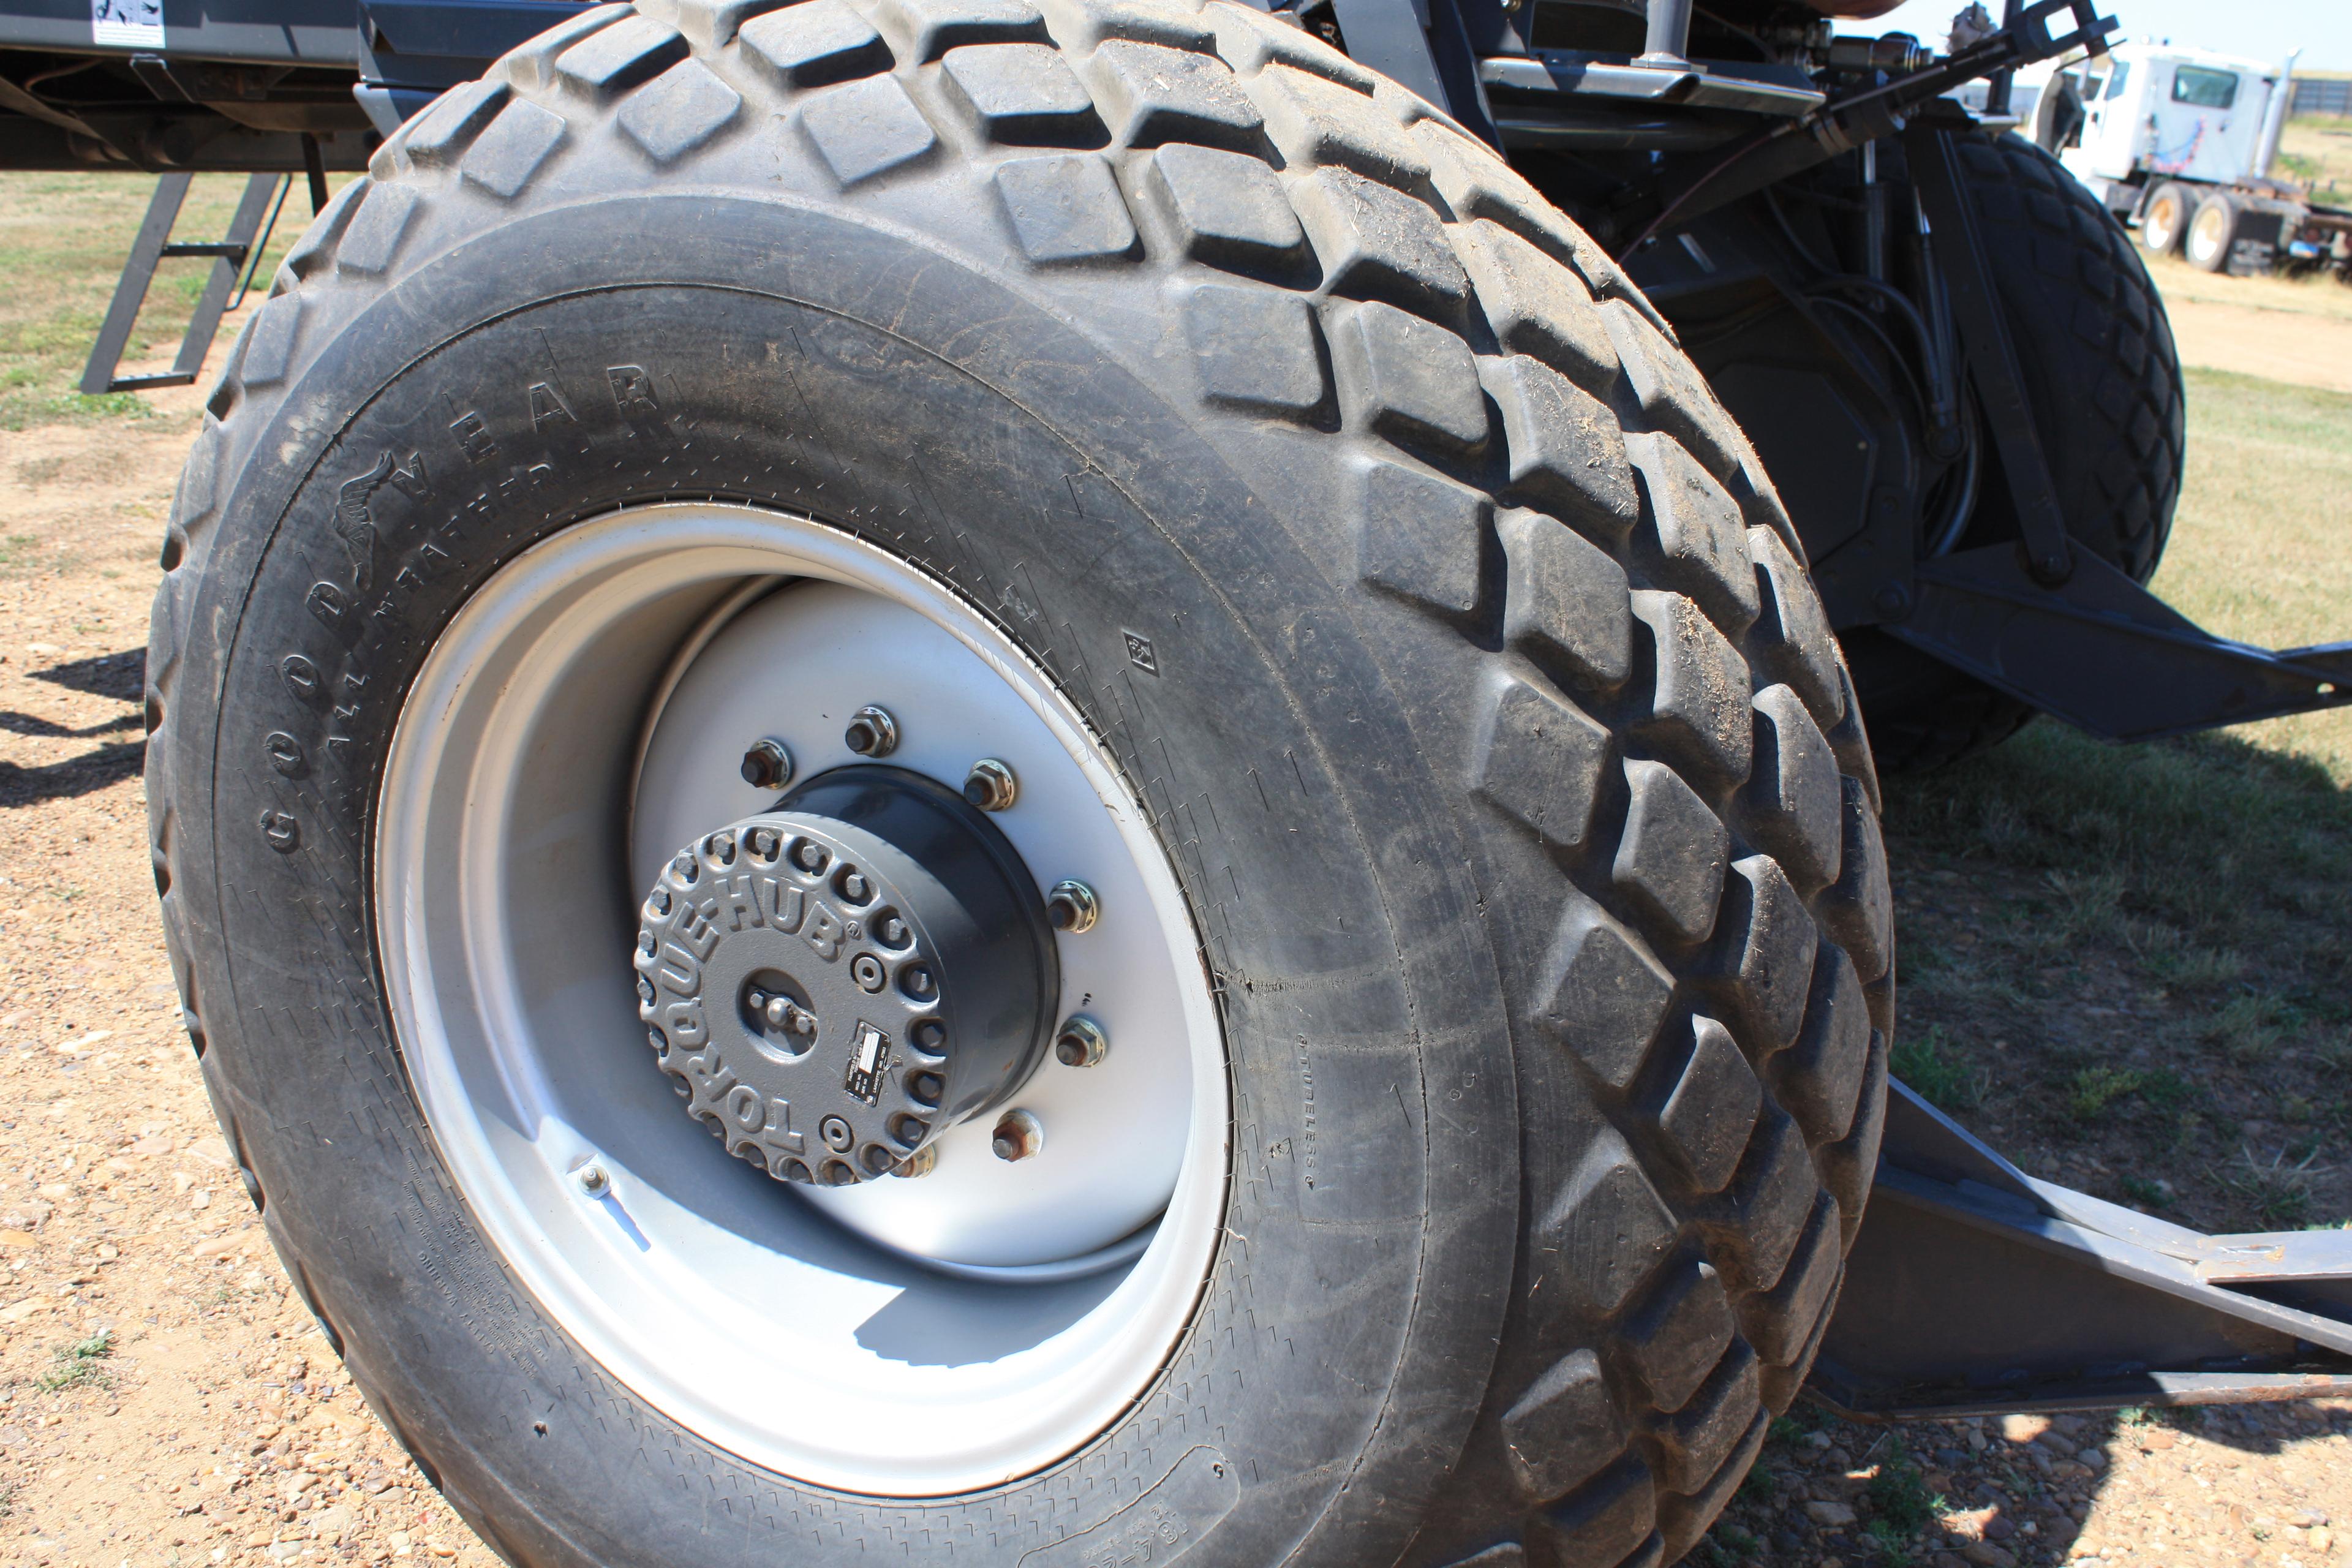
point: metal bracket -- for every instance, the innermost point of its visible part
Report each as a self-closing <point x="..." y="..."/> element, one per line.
<point x="1975" y="1289"/>
<point x="152" y="245"/>
<point x="2103" y="653"/>
<point x="1991" y="357"/>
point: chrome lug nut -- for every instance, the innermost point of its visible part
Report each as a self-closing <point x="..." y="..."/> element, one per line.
<point x="767" y="765"/>
<point x="1073" y="907"/>
<point x="593" y="1180"/>
<point x="1018" y="1136"/>
<point x="1080" y="1042"/>
<point x="872" y="733"/>
<point x="991" y="786"/>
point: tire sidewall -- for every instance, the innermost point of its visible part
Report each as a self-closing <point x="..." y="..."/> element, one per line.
<point x="1253" y="746"/>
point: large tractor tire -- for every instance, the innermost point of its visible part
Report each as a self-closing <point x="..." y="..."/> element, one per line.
<point x="1147" y="686"/>
<point x="2095" y="349"/>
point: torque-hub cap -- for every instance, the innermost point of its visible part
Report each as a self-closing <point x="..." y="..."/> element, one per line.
<point x="835" y="982"/>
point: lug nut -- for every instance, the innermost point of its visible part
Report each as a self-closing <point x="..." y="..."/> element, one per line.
<point x="1080" y="1042"/>
<point x="866" y="970"/>
<point x="767" y="765"/>
<point x="1073" y="907"/>
<point x="872" y="733"/>
<point x="991" y="786"/>
<point x="1018" y="1136"/>
<point x="593" y="1180"/>
<point x="921" y="1163"/>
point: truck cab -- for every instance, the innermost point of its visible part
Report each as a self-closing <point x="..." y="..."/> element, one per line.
<point x="2159" y="111"/>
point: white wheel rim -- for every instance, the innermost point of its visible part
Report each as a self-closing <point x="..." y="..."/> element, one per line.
<point x="2208" y="234"/>
<point x="2161" y="220"/>
<point x="506" y="913"/>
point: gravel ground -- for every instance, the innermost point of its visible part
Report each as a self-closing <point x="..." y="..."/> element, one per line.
<point x="165" y="1400"/>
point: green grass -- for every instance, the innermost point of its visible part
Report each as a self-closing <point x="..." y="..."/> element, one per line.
<point x="74" y="1364"/>
<point x="63" y="237"/>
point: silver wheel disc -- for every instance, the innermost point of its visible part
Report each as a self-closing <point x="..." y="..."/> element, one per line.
<point x="585" y="716"/>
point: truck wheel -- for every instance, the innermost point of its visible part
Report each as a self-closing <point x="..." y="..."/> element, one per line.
<point x="2211" y="233"/>
<point x="2096" y="350"/>
<point x="1110" y="658"/>
<point x="2165" y="220"/>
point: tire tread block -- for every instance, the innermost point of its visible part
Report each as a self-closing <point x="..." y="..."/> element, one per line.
<point x="1671" y="855"/>
<point x="1601" y="995"/>
<point x="680" y="111"/>
<point x="1567" y="605"/>
<point x="1021" y="95"/>
<point x="1377" y="243"/>
<point x="1562" y="1432"/>
<point x="1228" y="209"/>
<point x="1409" y="380"/>
<point x="1699" y="713"/>
<point x="1679" y="1333"/>
<point x="1699" y="539"/>
<point x="1150" y="94"/>
<point x="1539" y="758"/>
<point x="1712" y="1109"/>
<point x="1255" y="349"/>
<point x="1795" y="803"/>
<point x="1567" y="454"/>
<point x="814" y="44"/>
<point x="1605" y="1233"/>
<point x="1420" y="537"/>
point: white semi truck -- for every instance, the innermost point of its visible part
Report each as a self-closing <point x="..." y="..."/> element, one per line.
<point x="2180" y="143"/>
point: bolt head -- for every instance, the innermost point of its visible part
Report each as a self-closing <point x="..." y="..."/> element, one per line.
<point x="1072" y="907"/>
<point x="1019" y="1136"/>
<point x="921" y="1163"/>
<point x="872" y="733"/>
<point x="991" y="786"/>
<point x="1080" y="1042"/>
<point x="593" y="1180"/>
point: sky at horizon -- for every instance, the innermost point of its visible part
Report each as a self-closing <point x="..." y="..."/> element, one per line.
<point x="2260" y="29"/>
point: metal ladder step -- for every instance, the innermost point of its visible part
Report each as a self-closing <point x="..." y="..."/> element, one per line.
<point x="248" y="232"/>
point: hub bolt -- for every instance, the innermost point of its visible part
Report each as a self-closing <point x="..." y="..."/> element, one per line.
<point x="921" y="1163"/>
<point x="1019" y="1135"/>
<point x="866" y="970"/>
<point x="767" y="765"/>
<point x="872" y="733"/>
<point x="836" y="1134"/>
<point x="1080" y="1042"/>
<point x="991" y="786"/>
<point x="593" y="1180"/>
<point x="1073" y="907"/>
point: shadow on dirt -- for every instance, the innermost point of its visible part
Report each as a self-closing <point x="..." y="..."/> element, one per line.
<point x="2008" y="1491"/>
<point x="118" y="677"/>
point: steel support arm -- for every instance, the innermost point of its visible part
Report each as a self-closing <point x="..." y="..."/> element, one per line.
<point x="1974" y="1288"/>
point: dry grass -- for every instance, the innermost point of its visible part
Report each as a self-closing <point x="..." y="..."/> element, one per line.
<point x="62" y="240"/>
<point x="2318" y="151"/>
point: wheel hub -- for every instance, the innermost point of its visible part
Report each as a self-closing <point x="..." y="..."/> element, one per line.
<point x="835" y="982"/>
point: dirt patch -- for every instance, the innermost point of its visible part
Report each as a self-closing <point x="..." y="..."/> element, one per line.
<point x="164" y="1398"/>
<point x="2307" y="348"/>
